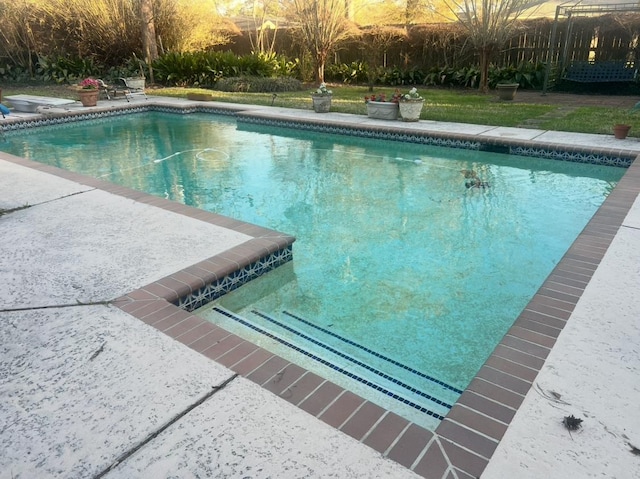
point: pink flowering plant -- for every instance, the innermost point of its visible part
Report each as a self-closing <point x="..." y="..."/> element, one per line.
<point x="89" y="84"/>
<point x="395" y="98"/>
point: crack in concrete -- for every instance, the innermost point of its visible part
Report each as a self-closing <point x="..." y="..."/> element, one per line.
<point x="6" y="211"/>
<point x="66" y="196"/>
<point x="55" y="306"/>
<point x="128" y="453"/>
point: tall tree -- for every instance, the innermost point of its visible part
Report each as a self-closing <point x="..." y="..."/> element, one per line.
<point x="147" y="19"/>
<point x="265" y="25"/>
<point x="322" y="25"/>
<point x="490" y="23"/>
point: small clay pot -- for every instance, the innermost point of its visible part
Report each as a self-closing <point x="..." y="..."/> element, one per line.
<point x="621" y="131"/>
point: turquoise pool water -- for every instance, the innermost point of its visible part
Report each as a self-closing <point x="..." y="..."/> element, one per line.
<point x="410" y="264"/>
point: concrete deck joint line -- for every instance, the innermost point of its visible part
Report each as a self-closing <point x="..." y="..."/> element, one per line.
<point x="56" y="306"/>
<point x="130" y="452"/>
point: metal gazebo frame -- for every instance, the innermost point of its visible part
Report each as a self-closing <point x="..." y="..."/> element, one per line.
<point x="623" y="70"/>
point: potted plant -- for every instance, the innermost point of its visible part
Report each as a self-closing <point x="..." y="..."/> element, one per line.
<point x="89" y="90"/>
<point x="507" y="90"/>
<point x="322" y="99"/>
<point x="411" y="105"/>
<point x="621" y="130"/>
<point x="380" y="108"/>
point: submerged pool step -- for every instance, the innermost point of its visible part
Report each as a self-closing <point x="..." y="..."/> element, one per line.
<point x="349" y="374"/>
<point x="353" y="360"/>
<point x="376" y="354"/>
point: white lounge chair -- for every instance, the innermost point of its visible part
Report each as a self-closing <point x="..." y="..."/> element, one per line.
<point x="30" y="103"/>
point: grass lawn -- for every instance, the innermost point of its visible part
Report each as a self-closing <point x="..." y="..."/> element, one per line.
<point x="463" y="106"/>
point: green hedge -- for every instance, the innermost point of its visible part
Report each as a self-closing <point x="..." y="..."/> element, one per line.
<point x="257" y="72"/>
<point x="528" y="75"/>
<point x="205" y="69"/>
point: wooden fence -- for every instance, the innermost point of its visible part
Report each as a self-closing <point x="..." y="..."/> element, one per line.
<point x="602" y="38"/>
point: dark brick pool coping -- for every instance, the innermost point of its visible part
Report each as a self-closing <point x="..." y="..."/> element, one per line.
<point x="466" y="439"/>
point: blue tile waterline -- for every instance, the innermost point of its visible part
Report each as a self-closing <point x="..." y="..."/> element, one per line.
<point x="571" y="154"/>
<point x="234" y="280"/>
<point x="324" y="362"/>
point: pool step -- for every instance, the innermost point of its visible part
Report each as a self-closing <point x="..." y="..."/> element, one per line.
<point x="342" y="364"/>
<point x="355" y="361"/>
<point x="374" y="353"/>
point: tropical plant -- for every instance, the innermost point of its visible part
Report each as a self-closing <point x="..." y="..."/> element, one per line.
<point x="354" y="72"/>
<point x="66" y="69"/>
<point x="206" y="68"/>
<point x="526" y="74"/>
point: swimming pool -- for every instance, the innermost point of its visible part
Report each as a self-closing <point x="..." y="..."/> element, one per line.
<point x="412" y="261"/>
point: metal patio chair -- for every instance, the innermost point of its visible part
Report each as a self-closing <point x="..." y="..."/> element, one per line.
<point x="129" y="87"/>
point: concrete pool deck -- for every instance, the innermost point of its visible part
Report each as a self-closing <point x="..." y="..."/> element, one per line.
<point x="89" y="390"/>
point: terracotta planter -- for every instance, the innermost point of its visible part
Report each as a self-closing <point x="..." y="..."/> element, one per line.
<point x="621" y="131"/>
<point x="382" y="110"/>
<point x="321" y="103"/>
<point x="507" y="91"/>
<point x="88" y="97"/>
<point x="410" y="109"/>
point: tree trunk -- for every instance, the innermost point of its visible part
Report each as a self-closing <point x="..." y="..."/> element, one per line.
<point x="484" y="69"/>
<point x="149" y="44"/>
<point x="321" y="61"/>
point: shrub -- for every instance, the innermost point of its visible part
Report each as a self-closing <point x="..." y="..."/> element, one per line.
<point x="206" y="68"/>
<point x="66" y="70"/>
<point x="355" y="72"/>
<point x="280" y="66"/>
<point x="397" y="76"/>
<point x="13" y="73"/>
<point x="526" y="74"/>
